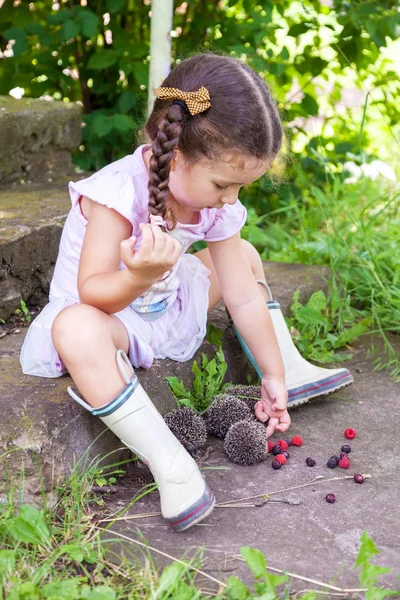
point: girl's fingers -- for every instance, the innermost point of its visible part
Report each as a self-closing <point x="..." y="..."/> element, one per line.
<point x="272" y="425"/>
<point x="146" y="245"/>
<point x="159" y="239"/>
<point x="259" y="412"/>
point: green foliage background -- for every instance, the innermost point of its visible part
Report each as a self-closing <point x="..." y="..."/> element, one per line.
<point x="312" y="53"/>
<point x="98" y="53"/>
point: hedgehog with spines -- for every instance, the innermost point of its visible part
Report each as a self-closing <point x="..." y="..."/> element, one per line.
<point x="225" y="411"/>
<point x="245" y="442"/>
<point x="188" y="426"/>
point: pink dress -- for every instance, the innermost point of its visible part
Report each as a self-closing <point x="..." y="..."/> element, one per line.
<point x="176" y="331"/>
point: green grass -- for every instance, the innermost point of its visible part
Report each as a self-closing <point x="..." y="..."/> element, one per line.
<point x="63" y="554"/>
<point x="355" y="230"/>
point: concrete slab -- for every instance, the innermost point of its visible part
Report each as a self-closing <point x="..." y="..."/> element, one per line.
<point x="313" y="538"/>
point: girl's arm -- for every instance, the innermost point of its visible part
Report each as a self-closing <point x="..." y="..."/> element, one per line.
<point x="106" y="243"/>
<point x="250" y="314"/>
<point x="246" y="306"/>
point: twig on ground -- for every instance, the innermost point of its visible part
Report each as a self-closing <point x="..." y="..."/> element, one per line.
<point x="315" y="481"/>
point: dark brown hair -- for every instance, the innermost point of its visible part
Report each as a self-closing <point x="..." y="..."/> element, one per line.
<point x="243" y="120"/>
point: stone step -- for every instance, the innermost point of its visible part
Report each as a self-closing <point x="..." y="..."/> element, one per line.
<point x="44" y="430"/>
<point x="31" y="221"/>
<point x="37" y="138"/>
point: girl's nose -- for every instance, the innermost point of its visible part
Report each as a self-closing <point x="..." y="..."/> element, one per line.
<point x="229" y="198"/>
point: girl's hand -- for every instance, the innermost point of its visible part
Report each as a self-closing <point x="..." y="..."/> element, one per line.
<point x="273" y="405"/>
<point x="157" y="254"/>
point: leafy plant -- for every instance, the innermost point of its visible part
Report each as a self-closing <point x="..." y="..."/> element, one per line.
<point x="317" y="331"/>
<point x="370" y="573"/>
<point x="208" y="380"/>
<point x="23" y="311"/>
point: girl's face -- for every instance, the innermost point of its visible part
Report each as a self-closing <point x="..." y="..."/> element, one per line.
<point x="207" y="184"/>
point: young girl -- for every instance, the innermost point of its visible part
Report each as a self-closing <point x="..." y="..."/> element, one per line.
<point x="124" y="286"/>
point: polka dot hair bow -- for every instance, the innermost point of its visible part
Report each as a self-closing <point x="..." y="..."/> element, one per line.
<point x="196" y="102"/>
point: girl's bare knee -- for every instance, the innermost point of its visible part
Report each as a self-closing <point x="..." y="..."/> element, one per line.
<point x="76" y="328"/>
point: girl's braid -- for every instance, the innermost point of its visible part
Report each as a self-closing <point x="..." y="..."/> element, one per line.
<point x="163" y="145"/>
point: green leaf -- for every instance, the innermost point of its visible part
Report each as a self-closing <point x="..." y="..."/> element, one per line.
<point x="67" y="590"/>
<point x="59" y="16"/>
<point x="141" y="73"/>
<point x="101" y="592"/>
<point x="366" y="551"/>
<point x="348" y="335"/>
<point x="114" y="6"/>
<point x="317" y="301"/>
<point x="169" y="579"/>
<point x="122" y="123"/>
<point x="310" y="105"/>
<point x="103" y="59"/>
<point x="255" y="561"/>
<point x="29" y="527"/>
<point x="24" y="591"/>
<point x="19" y="46"/>
<point x="14" y="33"/>
<point x="89" y="22"/>
<point x="101" y="125"/>
<point x="71" y="29"/>
<point x="310" y="316"/>
<point x="177" y="387"/>
<point x="214" y="335"/>
<point x="236" y="589"/>
<point x="127" y="101"/>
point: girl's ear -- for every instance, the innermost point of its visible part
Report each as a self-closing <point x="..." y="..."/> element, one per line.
<point x="176" y="158"/>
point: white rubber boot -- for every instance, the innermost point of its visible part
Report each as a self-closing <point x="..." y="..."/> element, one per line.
<point x="303" y="379"/>
<point x="185" y="497"/>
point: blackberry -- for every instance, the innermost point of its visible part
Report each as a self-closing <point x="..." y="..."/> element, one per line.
<point x="276" y="450"/>
<point x="342" y="454"/>
<point x="310" y="462"/>
<point x="358" y="478"/>
<point x="276" y="465"/>
<point x="333" y="462"/>
<point x="330" y="498"/>
<point x="286" y="454"/>
<point x="346" y="448"/>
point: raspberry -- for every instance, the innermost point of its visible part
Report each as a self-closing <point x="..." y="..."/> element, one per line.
<point x="283" y="445"/>
<point x="297" y="441"/>
<point x="358" y="478"/>
<point x="333" y="462"/>
<point x="276" y="450"/>
<point x="285" y="454"/>
<point x="271" y="444"/>
<point x="276" y="465"/>
<point x="344" y="463"/>
<point x="310" y="462"/>
<point x="346" y="448"/>
<point x="350" y="433"/>
<point x="330" y="498"/>
<point x="281" y="459"/>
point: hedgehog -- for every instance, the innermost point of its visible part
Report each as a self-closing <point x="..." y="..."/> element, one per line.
<point x="223" y="412"/>
<point x="250" y="394"/>
<point x="188" y="426"/>
<point x="246" y="442"/>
